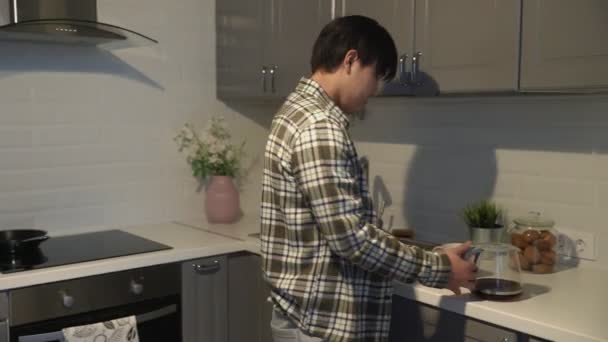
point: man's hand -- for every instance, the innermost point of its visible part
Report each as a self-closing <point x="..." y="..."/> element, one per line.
<point x="463" y="271"/>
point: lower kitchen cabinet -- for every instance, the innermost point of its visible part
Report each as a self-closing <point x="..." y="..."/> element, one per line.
<point x="249" y="312"/>
<point x="416" y="322"/>
<point x="224" y="300"/>
<point x="205" y="300"/>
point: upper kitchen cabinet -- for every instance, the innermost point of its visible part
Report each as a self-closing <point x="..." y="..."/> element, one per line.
<point x="565" y="45"/>
<point x="449" y="46"/>
<point x="264" y="46"/>
<point x="467" y="45"/>
<point x="397" y="16"/>
<point x="295" y="26"/>
<point x="242" y="39"/>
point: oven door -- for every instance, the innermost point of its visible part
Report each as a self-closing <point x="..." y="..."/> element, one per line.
<point x="157" y="321"/>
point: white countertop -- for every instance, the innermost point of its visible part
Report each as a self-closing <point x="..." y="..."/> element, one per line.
<point x="568" y="306"/>
<point x="188" y="243"/>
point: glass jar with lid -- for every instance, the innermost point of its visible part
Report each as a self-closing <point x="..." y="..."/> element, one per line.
<point x="537" y="242"/>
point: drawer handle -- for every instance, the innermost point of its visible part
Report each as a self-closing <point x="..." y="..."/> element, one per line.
<point x="273" y="71"/>
<point x="403" y="76"/>
<point x="136" y="288"/>
<point x="67" y="300"/>
<point x="207" y="269"/>
<point x="415" y="75"/>
<point x="264" y="71"/>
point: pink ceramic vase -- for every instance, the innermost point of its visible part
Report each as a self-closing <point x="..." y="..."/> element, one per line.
<point x="222" y="200"/>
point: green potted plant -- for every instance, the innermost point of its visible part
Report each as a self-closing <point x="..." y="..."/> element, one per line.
<point x="215" y="160"/>
<point x="484" y="220"/>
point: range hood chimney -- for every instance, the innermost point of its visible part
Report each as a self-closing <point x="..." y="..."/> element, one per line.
<point x="63" y="21"/>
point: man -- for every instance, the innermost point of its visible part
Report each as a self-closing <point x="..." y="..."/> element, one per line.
<point x="329" y="266"/>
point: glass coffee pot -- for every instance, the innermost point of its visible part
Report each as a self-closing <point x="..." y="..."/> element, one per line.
<point x="499" y="270"/>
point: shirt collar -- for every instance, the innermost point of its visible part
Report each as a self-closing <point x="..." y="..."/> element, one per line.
<point x="310" y="87"/>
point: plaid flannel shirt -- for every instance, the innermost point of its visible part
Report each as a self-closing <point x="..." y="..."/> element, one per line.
<point x="329" y="266"/>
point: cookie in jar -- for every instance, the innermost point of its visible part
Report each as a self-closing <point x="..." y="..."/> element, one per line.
<point x="537" y="242"/>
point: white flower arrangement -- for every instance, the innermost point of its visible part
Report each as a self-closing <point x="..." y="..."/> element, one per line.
<point x="210" y="153"/>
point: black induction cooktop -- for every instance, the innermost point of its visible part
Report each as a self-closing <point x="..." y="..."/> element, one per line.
<point x="70" y="249"/>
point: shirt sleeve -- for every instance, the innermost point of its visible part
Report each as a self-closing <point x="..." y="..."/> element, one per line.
<point x="323" y="161"/>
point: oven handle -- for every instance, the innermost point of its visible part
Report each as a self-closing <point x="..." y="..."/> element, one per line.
<point x="58" y="335"/>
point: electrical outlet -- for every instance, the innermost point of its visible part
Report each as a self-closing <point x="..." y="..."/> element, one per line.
<point x="574" y="243"/>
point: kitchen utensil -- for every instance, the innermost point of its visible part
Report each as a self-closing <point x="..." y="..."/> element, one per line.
<point x="499" y="271"/>
<point x="380" y="211"/>
<point x="382" y="199"/>
<point x="21" y="240"/>
<point x="403" y="232"/>
<point x="22" y="261"/>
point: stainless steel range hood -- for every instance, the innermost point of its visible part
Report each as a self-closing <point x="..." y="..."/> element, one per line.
<point x="63" y="21"/>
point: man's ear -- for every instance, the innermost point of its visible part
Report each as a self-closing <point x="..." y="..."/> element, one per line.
<point x="349" y="58"/>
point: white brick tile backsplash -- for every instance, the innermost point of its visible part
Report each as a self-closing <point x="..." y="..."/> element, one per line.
<point x="547" y="164"/>
<point x="542" y="153"/>
<point x="16" y="221"/>
<point x="15" y="137"/>
<point x="579" y="193"/>
<point x="67" y="135"/>
<point x="69" y="220"/>
<point x="85" y="135"/>
<point x="507" y="186"/>
<point x="602" y="189"/>
<point x="389" y="173"/>
<point x="56" y="113"/>
<point x="74" y="176"/>
<point x="61" y="198"/>
<point x="17" y="115"/>
<point x="57" y="87"/>
<point x="599" y="167"/>
<point x="131" y="133"/>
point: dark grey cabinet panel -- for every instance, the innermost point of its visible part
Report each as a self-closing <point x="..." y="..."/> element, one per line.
<point x="459" y="46"/>
<point x="416" y="322"/>
<point x="249" y="312"/>
<point x="469" y="46"/>
<point x="397" y="16"/>
<point x="295" y="26"/>
<point x="242" y="40"/>
<point x="205" y="300"/>
<point x="264" y="46"/>
<point x="564" y="45"/>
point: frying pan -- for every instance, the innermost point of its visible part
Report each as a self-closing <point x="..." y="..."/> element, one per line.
<point x="21" y="240"/>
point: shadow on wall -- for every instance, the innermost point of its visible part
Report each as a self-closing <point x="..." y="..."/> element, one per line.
<point x="259" y="111"/>
<point x="22" y="57"/>
<point x="453" y="143"/>
<point x="439" y="184"/>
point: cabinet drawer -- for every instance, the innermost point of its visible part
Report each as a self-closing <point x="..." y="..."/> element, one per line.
<point x="453" y="324"/>
<point x="413" y="321"/>
<point x="46" y="301"/>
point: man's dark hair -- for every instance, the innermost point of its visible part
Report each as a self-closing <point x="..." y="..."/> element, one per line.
<point x="371" y="41"/>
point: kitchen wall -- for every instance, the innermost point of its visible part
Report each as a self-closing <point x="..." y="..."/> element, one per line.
<point x="541" y="153"/>
<point x="86" y="135"/>
<point x="86" y="139"/>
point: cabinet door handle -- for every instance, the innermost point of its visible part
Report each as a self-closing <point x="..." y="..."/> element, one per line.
<point x="264" y="71"/>
<point x="273" y="71"/>
<point x="416" y="68"/>
<point x="207" y="268"/>
<point x="403" y="76"/>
